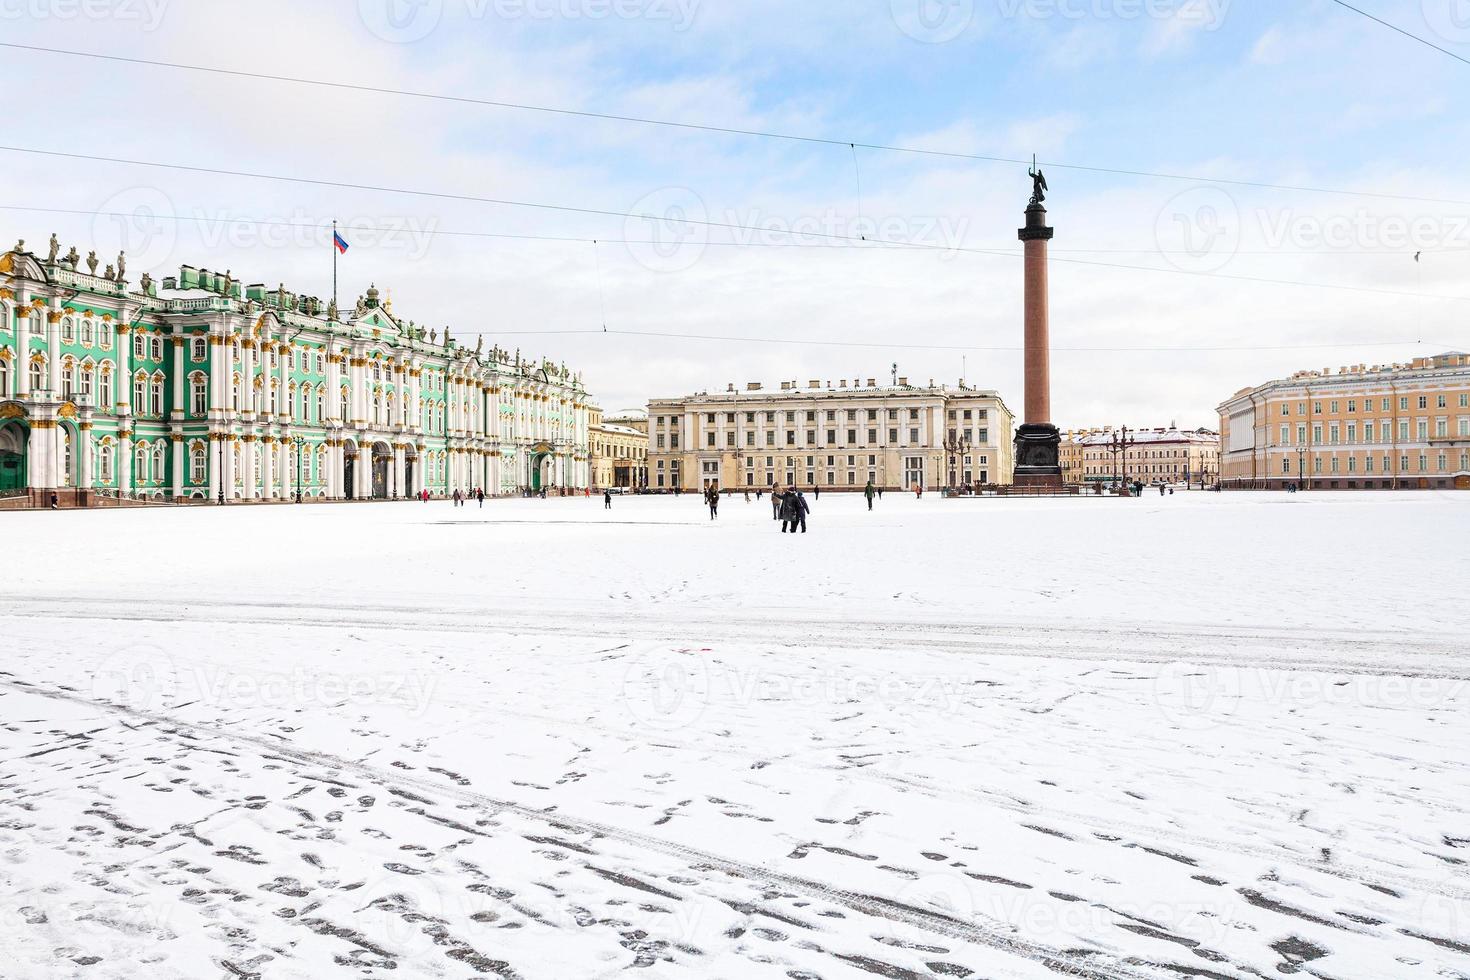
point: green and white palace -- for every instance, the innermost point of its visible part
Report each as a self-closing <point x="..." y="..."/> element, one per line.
<point x="200" y="387"/>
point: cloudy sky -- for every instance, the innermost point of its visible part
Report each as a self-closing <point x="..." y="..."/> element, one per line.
<point x="1167" y="294"/>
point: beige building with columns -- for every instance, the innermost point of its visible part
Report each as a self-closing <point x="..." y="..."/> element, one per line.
<point x="836" y="435"/>
<point x="1388" y="426"/>
<point x="619" y="451"/>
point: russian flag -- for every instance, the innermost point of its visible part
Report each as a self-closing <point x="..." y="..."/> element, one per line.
<point x="340" y="242"/>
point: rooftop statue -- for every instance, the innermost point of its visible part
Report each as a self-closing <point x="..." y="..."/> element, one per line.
<point x="91" y="262"/>
<point x="55" y="248"/>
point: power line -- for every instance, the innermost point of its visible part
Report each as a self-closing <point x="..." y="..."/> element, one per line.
<point x="730" y="338"/>
<point x="1399" y="30"/>
<point x="726" y="225"/>
<point x="324" y="226"/>
<point x="730" y="130"/>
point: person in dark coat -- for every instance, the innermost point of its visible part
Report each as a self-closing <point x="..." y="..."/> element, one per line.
<point x="776" y="496"/>
<point x="868" y="492"/>
<point x="607" y="500"/>
<point x="712" y="497"/>
<point x="480" y="496"/>
<point x="794" y="509"/>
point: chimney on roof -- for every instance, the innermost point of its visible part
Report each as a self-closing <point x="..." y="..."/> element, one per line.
<point x="786" y="386"/>
<point x="814" y="384"/>
<point x="752" y="386"/>
<point x="872" y="382"/>
<point x="842" y="383"/>
<point x="903" y="382"/>
<point x="731" y="386"/>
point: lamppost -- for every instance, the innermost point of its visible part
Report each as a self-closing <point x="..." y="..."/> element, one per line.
<point x="221" y="469"/>
<point x="1119" y="443"/>
<point x="300" y="443"/>
<point x="1301" y="467"/>
<point x="955" y="445"/>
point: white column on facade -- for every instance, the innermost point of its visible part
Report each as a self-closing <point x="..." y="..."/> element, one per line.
<point x="268" y="467"/>
<point x="283" y="467"/>
<point x="22" y="361"/>
<point x="178" y="409"/>
<point x="86" y="448"/>
<point x="364" y="472"/>
<point x="398" y="489"/>
<point x="232" y="443"/>
<point x="125" y="457"/>
<point x="247" y="378"/>
<point x="177" y="445"/>
<point x="53" y="352"/>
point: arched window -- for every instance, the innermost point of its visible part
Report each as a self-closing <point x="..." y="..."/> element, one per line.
<point x="198" y="463"/>
<point x="87" y="332"/>
<point x="344" y="405"/>
<point x="159" y="467"/>
<point x="104" y="335"/>
<point x="155" y="402"/>
<point x="377" y="408"/>
<point x="321" y="405"/>
<point x="4" y="377"/>
<point x="198" y="393"/>
<point x="271" y="405"/>
<point x="38" y="372"/>
<point x="140" y="463"/>
<point x="104" y="461"/>
<point x="235" y="392"/>
<point x="140" y="393"/>
<point x="235" y="452"/>
<point x="68" y="330"/>
<point x="155" y="348"/>
<point x="104" y="391"/>
<point x="86" y="385"/>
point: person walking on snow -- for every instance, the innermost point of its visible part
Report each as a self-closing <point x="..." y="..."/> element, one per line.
<point x="480" y="496"/>
<point x="868" y="492"/>
<point x="712" y="497"/>
<point x="607" y="500"/>
<point x="776" y="496"/>
<point x="794" y="509"/>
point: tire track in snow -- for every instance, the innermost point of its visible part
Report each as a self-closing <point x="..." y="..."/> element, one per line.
<point x="1095" y="963"/>
<point x="1360" y="652"/>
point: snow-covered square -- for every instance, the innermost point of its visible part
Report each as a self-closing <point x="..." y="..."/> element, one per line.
<point x="1199" y="735"/>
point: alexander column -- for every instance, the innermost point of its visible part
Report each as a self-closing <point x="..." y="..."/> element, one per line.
<point x="1038" y="452"/>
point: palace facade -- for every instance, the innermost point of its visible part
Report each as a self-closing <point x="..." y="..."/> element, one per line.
<point x="200" y="387"/>
<point x="835" y="436"/>
<point x="1389" y="426"/>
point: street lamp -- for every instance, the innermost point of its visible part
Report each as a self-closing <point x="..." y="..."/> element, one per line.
<point x="221" y="469"/>
<point x="1119" y="443"/>
<point x="300" y="443"/>
<point x="955" y="445"/>
<point x="1301" y="467"/>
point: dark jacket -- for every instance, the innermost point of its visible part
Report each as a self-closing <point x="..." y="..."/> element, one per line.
<point x="793" y="507"/>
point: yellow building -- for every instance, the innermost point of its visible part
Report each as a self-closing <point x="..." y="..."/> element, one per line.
<point x="1071" y="454"/>
<point x="1159" y="455"/>
<point x="1361" y="428"/>
<point x="619" y="451"/>
<point x="834" y="435"/>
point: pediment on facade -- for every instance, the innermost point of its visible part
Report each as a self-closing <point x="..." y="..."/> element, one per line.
<point x="23" y="265"/>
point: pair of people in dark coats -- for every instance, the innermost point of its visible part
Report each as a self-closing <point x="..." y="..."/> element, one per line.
<point x="794" y="509"/>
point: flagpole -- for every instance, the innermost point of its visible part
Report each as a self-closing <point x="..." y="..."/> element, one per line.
<point x="334" y="263"/>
